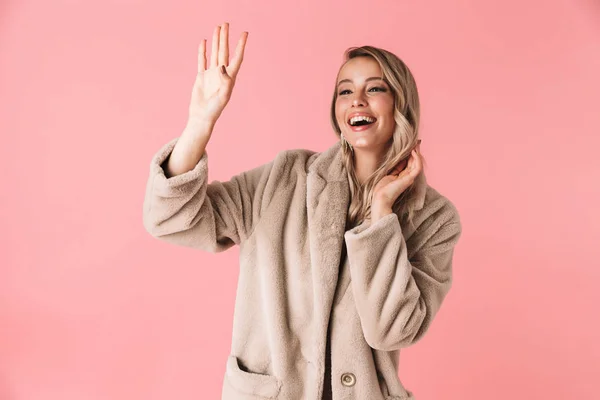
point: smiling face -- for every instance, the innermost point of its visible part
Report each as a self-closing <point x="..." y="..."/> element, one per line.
<point x="364" y="106"/>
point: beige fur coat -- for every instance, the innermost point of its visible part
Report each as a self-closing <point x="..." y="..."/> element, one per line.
<point x="303" y="279"/>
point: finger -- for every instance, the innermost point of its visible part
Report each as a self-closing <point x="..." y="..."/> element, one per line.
<point x="239" y="54"/>
<point x="399" y="167"/>
<point x="411" y="160"/>
<point x="410" y="168"/>
<point x="224" y="77"/>
<point x="398" y="171"/>
<point x="414" y="155"/>
<point x="224" y="45"/>
<point x="214" y="51"/>
<point x="406" y="174"/>
<point x="417" y="165"/>
<point x="202" y="57"/>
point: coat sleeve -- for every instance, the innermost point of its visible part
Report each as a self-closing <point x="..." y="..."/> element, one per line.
<point x="187" y="210"/>
<point x="397" y="298"/>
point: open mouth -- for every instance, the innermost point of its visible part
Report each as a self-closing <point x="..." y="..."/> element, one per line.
<point x="361" y="120"/>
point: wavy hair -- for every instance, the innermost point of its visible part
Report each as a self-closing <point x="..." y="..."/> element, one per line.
<point x="406" y="134"/>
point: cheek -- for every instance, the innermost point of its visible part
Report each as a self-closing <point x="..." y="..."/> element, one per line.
<point x="339" y="113"/>
<point x="385" y="108"/>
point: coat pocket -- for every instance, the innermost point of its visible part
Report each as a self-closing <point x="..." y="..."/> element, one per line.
<point x="243" y="385"/>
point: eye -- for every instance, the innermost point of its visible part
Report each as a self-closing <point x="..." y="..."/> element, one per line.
<point x="375" y="88"/>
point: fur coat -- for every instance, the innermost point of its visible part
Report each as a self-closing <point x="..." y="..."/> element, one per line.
<point x="307" y="286"/>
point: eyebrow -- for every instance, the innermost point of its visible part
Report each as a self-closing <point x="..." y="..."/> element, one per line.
<point x="373" y="78"/>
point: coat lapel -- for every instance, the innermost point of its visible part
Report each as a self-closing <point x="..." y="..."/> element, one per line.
<point x="327" y="203"/>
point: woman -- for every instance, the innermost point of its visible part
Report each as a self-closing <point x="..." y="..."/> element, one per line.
<point x="345" y="255"/>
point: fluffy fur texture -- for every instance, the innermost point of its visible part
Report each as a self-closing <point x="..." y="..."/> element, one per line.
<point x="304" y="279"/>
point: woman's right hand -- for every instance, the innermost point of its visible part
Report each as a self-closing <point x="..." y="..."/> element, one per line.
<point x="214" y="82"/>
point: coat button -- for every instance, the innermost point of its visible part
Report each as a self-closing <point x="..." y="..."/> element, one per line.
<point x="348" y="379"/>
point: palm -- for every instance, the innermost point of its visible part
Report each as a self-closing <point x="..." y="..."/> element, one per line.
<point x="209" y="92"/>
<point x="212" y="89"/>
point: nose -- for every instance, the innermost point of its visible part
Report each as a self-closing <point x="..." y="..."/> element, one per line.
<point x="358" y="100"/>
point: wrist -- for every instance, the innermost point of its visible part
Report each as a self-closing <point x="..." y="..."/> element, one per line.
<point x="198" y="129"/>
<point x="379" y="212"/>
<point x="200" y="124"/>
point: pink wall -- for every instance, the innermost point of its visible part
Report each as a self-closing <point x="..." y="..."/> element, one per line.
<point x="92" y="307"/>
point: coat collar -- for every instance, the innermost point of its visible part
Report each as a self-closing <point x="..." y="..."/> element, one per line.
<point x="329" y="166"/>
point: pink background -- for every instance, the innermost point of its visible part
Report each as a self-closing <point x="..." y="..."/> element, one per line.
<point x="92" y="307"/>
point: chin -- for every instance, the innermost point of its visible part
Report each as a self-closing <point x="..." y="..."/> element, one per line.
<point x="365" y="142"/>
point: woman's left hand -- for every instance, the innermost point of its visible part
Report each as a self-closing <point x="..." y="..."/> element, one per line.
<point x="391" y="186"/>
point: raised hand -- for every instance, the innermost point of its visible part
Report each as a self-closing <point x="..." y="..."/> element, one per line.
<point x="215" y="80"/>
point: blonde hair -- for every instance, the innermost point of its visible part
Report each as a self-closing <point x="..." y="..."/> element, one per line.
<point x="406" y="134"/>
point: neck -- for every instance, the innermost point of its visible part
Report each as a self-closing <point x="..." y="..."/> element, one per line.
<point x="365" y="163"/>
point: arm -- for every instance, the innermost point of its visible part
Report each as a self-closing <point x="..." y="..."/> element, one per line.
<point x="397" y="297"/>
<point x="186" y="210"/>
<point x="180" y="206"/>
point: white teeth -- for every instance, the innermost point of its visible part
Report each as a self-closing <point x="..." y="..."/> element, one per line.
<point x="354" y="120"/>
